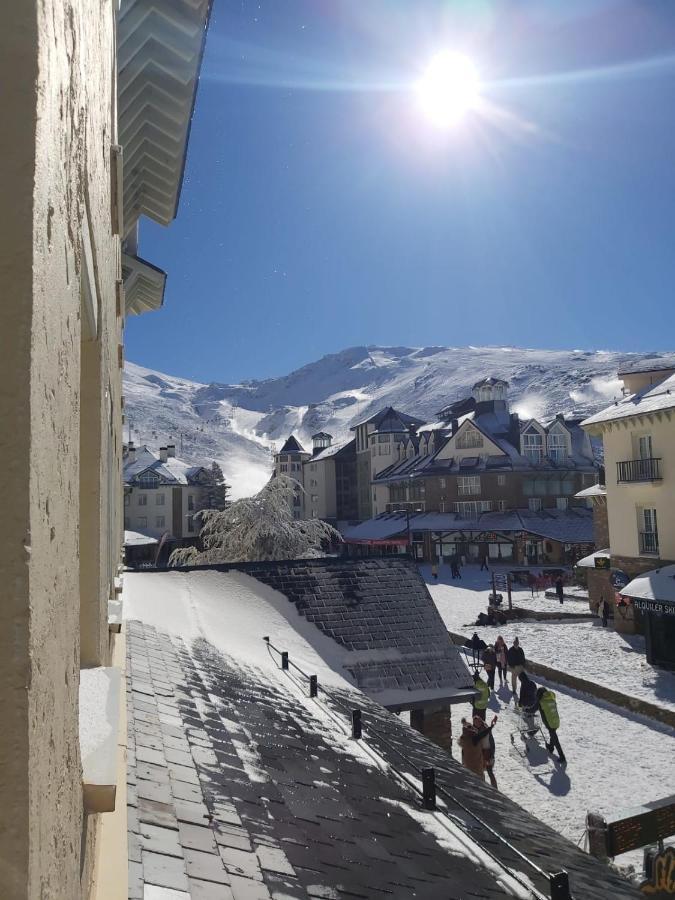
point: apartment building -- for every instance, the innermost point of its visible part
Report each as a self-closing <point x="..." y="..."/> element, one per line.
<point x="162" y="494"/>
<point x="638" y="435"/>
<point x="289" y="461"/>
<point x="96" y="105"/>
<point x="329" y="478"/>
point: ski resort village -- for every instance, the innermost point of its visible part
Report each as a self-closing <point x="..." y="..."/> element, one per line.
<point x="398" y="624"/>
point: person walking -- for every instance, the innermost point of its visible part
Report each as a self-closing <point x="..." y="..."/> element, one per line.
<point x="481" y="701"/>
<point x="484" y="563"/>
<point x="434" y="571"/>
<point x="454" y="569"/>
<point x="485" y="739"/>
<point x="472" y="753"/>
<point x="500" y="653"/>
<point x="490" y="665"/>
<point x="605" y="612"/>
<point x="515" y="657"/>
<point x="527" y="701"/>
<point x="476" y="644"/>
<point x="560" y="589"/>
<point x="548" y="709"/>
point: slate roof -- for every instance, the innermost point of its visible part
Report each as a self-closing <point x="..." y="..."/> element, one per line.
<point x="292" y="446"/>
<point x="380" y="611"/>
<point x="653" y="398"/>
<point x="568" y="526"/>
<point x="333" y="450"/>
<point x="390" y="420"/>
<point x="238" y="789"/>
<point x="173" y="471"/>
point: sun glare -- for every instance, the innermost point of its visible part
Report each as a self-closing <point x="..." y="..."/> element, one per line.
<point x="449" y="89"/>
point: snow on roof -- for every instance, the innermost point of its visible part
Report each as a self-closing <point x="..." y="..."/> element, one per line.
<point x="332" y="450"/>
<point x="657" y="585"/>
<point x="137" y="539"/>
<point x="173" y="471"/>
<point x="653" y="398"/>
<point x="595" y="490"/>
<point x="588" y="562"/>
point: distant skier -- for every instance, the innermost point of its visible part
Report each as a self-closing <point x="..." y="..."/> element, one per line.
<point x="605" y="612"/>
<point x="481" y="701"/>
<point x="516" y="660"/>
<point x="548" y="709"/>
<point x="560" y="589"/>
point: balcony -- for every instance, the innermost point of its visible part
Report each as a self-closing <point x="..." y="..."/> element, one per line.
<point x="649" y="543"/>
<point x="638" y="470"/>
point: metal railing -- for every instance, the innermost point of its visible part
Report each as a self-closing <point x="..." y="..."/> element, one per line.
<point x="428" y="789"/>
<point x="649" y="542"/>
<point x="638" y="470"/>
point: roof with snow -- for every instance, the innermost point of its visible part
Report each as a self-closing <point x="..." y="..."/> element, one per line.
<point x="595" y="490"/>
<point x="173" y="471"/>
<point x="292" y="446"/>
<point x="138" y="539"/>
<point x="390" y="420"/>
<point x="652" y="399"/>
<point x="571" y="526"/>
<point x="242" y="786"/>
<point x="322" y="434"/>
<point x="490" y="381"/>
<point x="329" y="452"/>
<point x="588" y="562"/>
<point x="658" y="365"/>
<point x="657" y="585"/>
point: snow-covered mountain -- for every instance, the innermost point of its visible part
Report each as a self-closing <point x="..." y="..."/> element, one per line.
<point x="240" y="424"/>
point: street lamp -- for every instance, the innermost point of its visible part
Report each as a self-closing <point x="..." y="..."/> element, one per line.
<point x="407" y="524"/>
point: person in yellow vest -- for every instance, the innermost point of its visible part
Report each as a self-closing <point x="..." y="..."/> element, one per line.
<point x="481" y="701"/>
<point x="548" y="709"/>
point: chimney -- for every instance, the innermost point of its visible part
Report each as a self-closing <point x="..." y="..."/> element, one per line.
<point x="131" y="452"/>
<point x="560" y="418"/>
<point x="163" y="454"/>
<point x="514" y="430"/>
<point x="170" y="449"/>
<point x="454" y="426"/>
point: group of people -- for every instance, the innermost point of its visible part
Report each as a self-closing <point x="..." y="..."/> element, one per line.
<point x="477" y="741"/>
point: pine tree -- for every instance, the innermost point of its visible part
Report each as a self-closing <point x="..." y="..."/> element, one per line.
<point x="214" y="489"/>
<point x="258" y="528"/>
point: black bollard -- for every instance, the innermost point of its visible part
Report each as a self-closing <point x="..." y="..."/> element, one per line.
<point x="429" y="788"/>
<point x="560" y="886"/>
<point x="284" y="659"/>
<point x="356" y="724"/>
<point x="313" y="686"/>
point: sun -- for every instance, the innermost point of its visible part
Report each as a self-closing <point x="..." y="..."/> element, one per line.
<point x="449" y="88"/>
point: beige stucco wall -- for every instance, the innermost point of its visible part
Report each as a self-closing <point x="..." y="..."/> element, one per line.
<point x="56" y="63"/>
<point x="325" y="504"/>
<point x="623" y="499"/>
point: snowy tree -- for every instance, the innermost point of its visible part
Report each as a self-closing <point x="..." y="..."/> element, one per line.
<point x="257" y="528"/>
<point x="214" y="488"/>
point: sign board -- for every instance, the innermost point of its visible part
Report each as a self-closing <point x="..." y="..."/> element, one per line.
<point x="667" y="609"/>
<point x="501" y="581"/>
<point x="636" y="828"/>
<point x="660" y="873"/>
<point x="602" y="562"/>
<point x="619" y="579"/>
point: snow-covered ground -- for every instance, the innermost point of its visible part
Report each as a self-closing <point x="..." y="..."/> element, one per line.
<point x="602" y="743"/>
<point x="581" y="648"/>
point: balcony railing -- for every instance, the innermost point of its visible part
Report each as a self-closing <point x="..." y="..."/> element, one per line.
<point x="638" y="470"/>
<point x="649" y="542"/>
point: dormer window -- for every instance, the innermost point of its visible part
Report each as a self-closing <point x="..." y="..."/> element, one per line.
<point x="557" y="446"/>
<point x="533" y="446"/>
<point x="469" y="439"/>
<point x="148" y="480"/>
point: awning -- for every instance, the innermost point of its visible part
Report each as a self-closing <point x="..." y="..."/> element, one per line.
<point x="657" y="585"/>
<point x="595" y="490"/>
<point x="137" y="539"/>
<point x="588" y="562"/>
<point x="381" y="542"/>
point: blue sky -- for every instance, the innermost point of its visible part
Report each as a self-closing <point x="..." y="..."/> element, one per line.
<point x="321" y="209"/>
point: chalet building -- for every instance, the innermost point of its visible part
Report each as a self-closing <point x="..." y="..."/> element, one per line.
<point x="494" y="476"/>
<point x="638" y="435"/>
<point x="162" y="494"/>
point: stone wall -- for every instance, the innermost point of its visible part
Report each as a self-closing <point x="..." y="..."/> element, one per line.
<point x="57" y="71"/>
<point x="434" y="723"/>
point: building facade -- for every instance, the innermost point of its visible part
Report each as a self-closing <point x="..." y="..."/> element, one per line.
<point x="162" y="494"/>
<point x="81" y="93"/>
<point x="638" y="435"/>
<point x="289" y="461"/>
<point x="329" y="478"/>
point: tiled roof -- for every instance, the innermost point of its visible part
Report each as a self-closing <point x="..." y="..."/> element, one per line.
<point x="651" y="399"/>
<point x="380" y="611"/>
<point x="173" y="471"/>
<point x="238" y="789"/>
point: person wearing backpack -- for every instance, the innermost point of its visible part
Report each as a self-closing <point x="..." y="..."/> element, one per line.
<point x="548" y="709"/>
<point x="481" y="701"/>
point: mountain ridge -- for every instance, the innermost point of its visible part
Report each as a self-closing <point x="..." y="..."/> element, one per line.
<point x="241" y="424"/>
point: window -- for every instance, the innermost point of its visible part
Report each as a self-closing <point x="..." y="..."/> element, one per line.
<point x="533" y="445"/>
<point x="501" y="480"/>
<point x="295" y="467"/>
<point x="383" y="439"/>
<point x="315" y="514"/>
<point x="283" y="467"/>
<point x="645" y="446"/>
<point x="312" y="467"/>
<point x="313" y="482"/>
<point x="648" y="531"/>
<point x="148" y="480"/>
<point x="142" y="499"/>
<point x="315" y="498"/>
<point x="127" y="499"/>
<point x="142" y="521"/>
<point x="501" y="505"/>
<point x="159" y="500"/>
<point x="561" y="502"/>
<point x="534" y="503"/>
<point x="191" y="501"/>
<point x="557" y="446"/>
<point x="442" y="482"/>
<point x="469" y="509"/>
<point x="469" y="439"/>
<point x="190" y="523"/>
<point x="468" y="484"/>
<point x="159" y="522"/>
